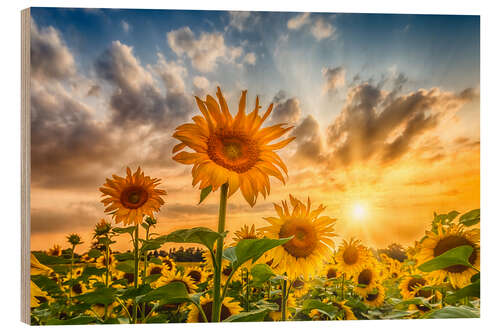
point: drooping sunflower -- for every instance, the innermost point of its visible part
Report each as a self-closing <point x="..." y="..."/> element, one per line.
<point x="290" y="303"/>
<point x="197" y="274"/>
<point x="445" y="239"/>
<point x="129" y="199"/>
<point x="352" y="257"/>
<point x="246" y="232"/>
<point x="229" y="308"/>
<point x="175" y="277"/>
<point x="311" y="243"/>
<point x="366" y="280"/>
<point x="375" y="297"/>
<point x="344" y="311"/>
<point x="233" y="150"/>
<point x="55" y="250"/>
<point x="410" y="287"/>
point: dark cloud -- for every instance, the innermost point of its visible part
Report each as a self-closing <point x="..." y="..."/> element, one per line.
<point x="73" y="218"/>
<point x="285" y="110"/>
<point x="309" y="141"/>
<point x="372" y="126"/>
<point x="334" y="78"/>
<point x="50" y="57"/>
<point x="137" y="99"/>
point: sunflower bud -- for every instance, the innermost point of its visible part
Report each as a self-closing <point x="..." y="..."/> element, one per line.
<point x="74" y="239"/>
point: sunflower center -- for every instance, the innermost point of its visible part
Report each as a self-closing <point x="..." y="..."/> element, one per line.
<point x="233" y="150"/>
<point x="350" y="255"/>
<point x="207" y="308"/>
<point x="415" y="283"/>
<point x="298" y="284"/>
<point x="129" y="277"/>
<point x="451" y="242"/>
<point x="331" y="273"/>
<point x="227" y="270"/>
<point x="77" y="288"/>
<point x="134" y="197"/>
<point x="195" y="276"/>
<point x="156" y="270"/>
<point x="305" y="239"/>
<point x="365" y="277"/>
<point x="168" y="263"/>
<point x="372" y="297"/>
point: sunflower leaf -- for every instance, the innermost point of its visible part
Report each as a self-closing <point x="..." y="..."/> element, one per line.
<point x="200" y="235"/>
<point x="94" y="253"/>
<point x="204" y="193"/>
<point x="256" y="315"/>
<point x="99" y="296"/>
<point x="80" y="320"/>
<point x="253" y="249"/>
<point x="261" y="273"/>
<point x="172" y="293"/>
<point x="314" y="304"/>
<point x="128" y="230"/>
<point x="470" y="218"/>
<point x="456" y="256"/>
<point x="472" y="289"/>
<point x="454" y="312"/>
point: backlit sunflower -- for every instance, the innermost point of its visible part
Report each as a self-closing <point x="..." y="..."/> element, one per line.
<point x="197" y="274"/>
<point x="311" y="243"/>
<point x="246" y="232"/>
<point x="229" y="308"/>
<point x="154" y="269"/>
<point x="233" y="150"/>
<point x="375" y="297"/>
<point x="300" y="287"/>
<point x="344" y="311"/>
<point x="445" y="239"/>
<point x="175" y="277"/>
<point x="129" y="199"/>
<point x="55" y="251"/>
<point x="168" y="265"/>
<point x="410" y="287"/>
<point x="290" y="303"/>
<point x="101" y="261"/>
<point x="352" y="257"/>
<point x="365" y="280"/>
<point x="331" y="272"/>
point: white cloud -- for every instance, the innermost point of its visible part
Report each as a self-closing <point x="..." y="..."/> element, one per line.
<point x="321" y="29"/>
<point x="172" y="74"/>
<point x="126" y="26"/>
<point x="298" y="21"/>
<point x="250" y="58"/>
<point x="204" y="51"/>
<point x="238" y="19"/>
<point x="201" y="82"/>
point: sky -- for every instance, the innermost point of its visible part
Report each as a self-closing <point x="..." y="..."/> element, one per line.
<point x="385" y="110"/>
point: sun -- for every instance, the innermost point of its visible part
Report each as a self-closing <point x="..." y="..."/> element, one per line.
<point x="359" y="211"/>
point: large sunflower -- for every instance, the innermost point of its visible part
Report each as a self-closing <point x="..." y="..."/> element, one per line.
<point x="366" y="280"/>
<point x="229" y="308"/>
<point x="445" y="239"/>
<point x="352" y="257"/>
<point x="311" y="243"/>
<point x="129" y="199"/>
<point x="234" y="150"/>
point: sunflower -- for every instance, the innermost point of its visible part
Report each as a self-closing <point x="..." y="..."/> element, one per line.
<point x="290" y="303"/>
<point x="168" y="265"/>
<point x="78" y="288"/>
<point x="197" y="274"/>
<point x="344" y="311"/>
<point x="331" y="272"/>
<point x="229" y="307"/>
<point x="447" y="238"/>
<point x="411" y="286"/>
<point x="300" y="287"/>
<point x="246" y="232"/>
<point x="129" y="199"/>
<point x="175" y="277"/>
<point x="311" y="243"/>
<point x="352" y="257"/>
<point x="55" y="251"/>
<point x="231" y="150"/>
<point x="100" y="309"/>
<point x="101" y="261"/>
<point x="128" y="277"/>
<point x="366" y="280"/>
<point x="154" y="269"/>
<point x="375" y="297"/>
<point x="38" y="296"/>
<point x="36" y="268"/>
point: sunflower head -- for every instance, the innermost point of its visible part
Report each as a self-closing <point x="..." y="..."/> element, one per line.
<point x="311" y="243"/>
<point x="196" y="274"/>
<point x="234" y="150"/>
<point x="246" y="232"/>
<point x="375" y="297"/>
<point x="131" y="197"/>
<point x="55" y="251"/>
<point x="101" y="261"/>
<point x="154" y="269"/>
<point x="168" y="265"/>
<point x="352" y="257"/>
<point x="175" y="277"/>
<point x="74" y="239"/>
<point x="411" y="286"/>
<point x="366" y="280"/>
<point x="102" y="228"/>
<point x="229" y="307"/>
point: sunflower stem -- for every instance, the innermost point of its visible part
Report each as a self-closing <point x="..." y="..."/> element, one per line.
<point x="216" y="305"/>
<point x="342" y="286"/>
<point x="71" y="272"/>
<point x="284" y="296"/>
<point x="144" y="271"/>
<point x="107" y="277"/>
<point x="136" y="266"/>
<point x="247" y="292"/>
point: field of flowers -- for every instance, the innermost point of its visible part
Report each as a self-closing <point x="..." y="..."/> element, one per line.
<point x="295" y="268"/>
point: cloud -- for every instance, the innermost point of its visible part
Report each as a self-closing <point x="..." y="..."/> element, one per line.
<point x="321" y="29"/>
<point x="309" y="141"/>
<point x="334" y="78"/>
<point x="285" y="110"/>
<point x="125" y="26"/>
<point x="50" y="57"/>
<point x="69" y="218"/>
<point x="298" y="21"/>
<point x="250" y="58"/>
<point x="204" y="51"/>
<point x="95" y="90"/>
<point x="371" y="127"/>
<point x="137" y="98"/>
<point x="239" y="19"/>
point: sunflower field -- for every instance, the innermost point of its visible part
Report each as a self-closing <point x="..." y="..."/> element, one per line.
<point x="294" y="268"/>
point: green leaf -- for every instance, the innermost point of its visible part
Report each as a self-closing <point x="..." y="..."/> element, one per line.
<point x="253" y="249"/>
<point x="256" y="315"/>
<point x="174" y="292"/>
<point x="50" y="260"/>
<point x="100" y="296"/>
<point x="416" y="301"/>
<point x="124" y="256"/>
<point x="261" y="273"/>
<point x="81" y="320"/>
<point x="128" y="230"/>
<point x="456" y="256"/>
<point x="470" y="218"/>
<point x="314" y="304"/>
<point x="473" y="290"/>
<point x="151" y="245"/>
<point x="46" y="284"/>
<point x="454" y="312"/>
<point x="94" y="253"/>
<point x="204" y="193"/>
<point x="127" y="266"/>
<point x="198" y="235"/>
<point x="89" y="271"/>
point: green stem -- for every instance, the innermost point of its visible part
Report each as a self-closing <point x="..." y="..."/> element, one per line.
<point x="224" y="291"/>
<point x="71" y="272"/>
<point x="107" y="278"/>
<point x="136" y="266"/>
<point x="342" y="292"/>
<point x="216" y="305"/>
<point x="247" y="292"/>
<point x="269" y="290"/>
<point x="284" y="296"/>
<point x="143" y="312"/>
